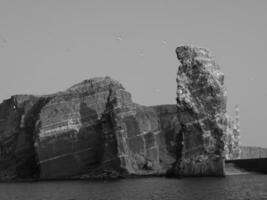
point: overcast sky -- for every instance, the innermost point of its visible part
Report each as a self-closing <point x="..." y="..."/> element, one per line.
<point x="47" y="46"/>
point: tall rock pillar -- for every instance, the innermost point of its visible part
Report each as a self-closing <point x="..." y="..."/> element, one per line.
<point x="236" y="135"/>
<point x="201" y="102"/>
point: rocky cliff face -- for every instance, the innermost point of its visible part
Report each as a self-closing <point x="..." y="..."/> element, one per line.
<point x="18" y="116"/>
<point x="93" y="129"/>
<point x="201" y="102"/>
<point x="232" y="137"/>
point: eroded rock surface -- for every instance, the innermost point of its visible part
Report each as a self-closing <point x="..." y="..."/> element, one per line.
<point x="91" y="130"/>
<point x="201" y="102"/>
<point x="95" y="130"/>
<point x="18" y="116"/>
<point x="232" y="138"/>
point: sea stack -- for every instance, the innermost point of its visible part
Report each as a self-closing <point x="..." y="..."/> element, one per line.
<point x="201" y="103"/>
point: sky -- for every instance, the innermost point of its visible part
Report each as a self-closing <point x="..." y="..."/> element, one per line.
<point x="47" y="46"/>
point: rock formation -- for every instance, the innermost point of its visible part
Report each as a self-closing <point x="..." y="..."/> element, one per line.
<point x="201" y="102"/>
<point x="17" y="134"/>
<point x="93" y="129"/>
<point x="232" y="137"/>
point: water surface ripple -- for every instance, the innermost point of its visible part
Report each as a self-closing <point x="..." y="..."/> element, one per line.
<point x="235" y="187"/>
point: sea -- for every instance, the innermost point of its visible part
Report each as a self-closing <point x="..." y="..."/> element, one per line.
<point x="233" y="187"/>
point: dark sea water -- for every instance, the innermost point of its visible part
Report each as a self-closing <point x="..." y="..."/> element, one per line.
<point x="233" y="187"/>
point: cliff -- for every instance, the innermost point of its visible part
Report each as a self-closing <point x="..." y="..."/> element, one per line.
<point x="18" y="116"/>
<point x="201" y="102"/>
<point x="95" y="130"/>
<point x="233" y="148"/>
<point x="91" y="130"/>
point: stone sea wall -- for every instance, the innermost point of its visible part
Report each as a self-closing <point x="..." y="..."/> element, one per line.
<point x="249" y="152"/>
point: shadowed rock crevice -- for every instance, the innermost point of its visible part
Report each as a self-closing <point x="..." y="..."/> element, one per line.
<point x="18" y="158"/>
<point x="10" y="129"/>
<point x="30" y="168"/>
<point x="111" y="164"/>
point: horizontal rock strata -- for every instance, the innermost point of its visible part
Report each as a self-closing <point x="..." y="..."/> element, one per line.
<point x="201" y="102"/>
<point x="232" y="138"/>
<point x="93" y="129"/>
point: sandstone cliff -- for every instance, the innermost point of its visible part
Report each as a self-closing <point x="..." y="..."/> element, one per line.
<point x="18" y="116"/>
<point x="232" y="137"/>
<point x="93" y="129"/>
<point x="201" y="102"/>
